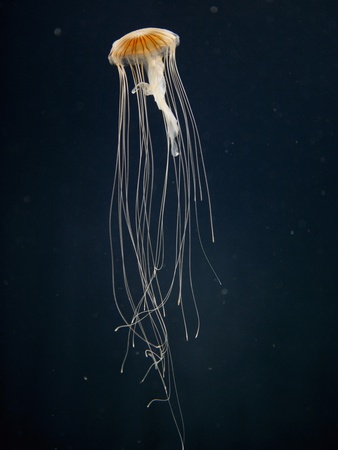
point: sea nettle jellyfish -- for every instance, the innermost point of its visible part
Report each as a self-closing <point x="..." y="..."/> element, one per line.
<point x="153" y="212"/>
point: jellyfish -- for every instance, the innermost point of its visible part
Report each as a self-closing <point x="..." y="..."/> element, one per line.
<point x="154" y="205"/>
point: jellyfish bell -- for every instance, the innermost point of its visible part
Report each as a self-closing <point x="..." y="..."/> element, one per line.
<point x="140" y="45"/>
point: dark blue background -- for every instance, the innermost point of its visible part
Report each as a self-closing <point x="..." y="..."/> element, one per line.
<point x="263" y="373"/>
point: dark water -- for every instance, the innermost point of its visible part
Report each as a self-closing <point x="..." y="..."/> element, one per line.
<point x="263" y="373"/>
